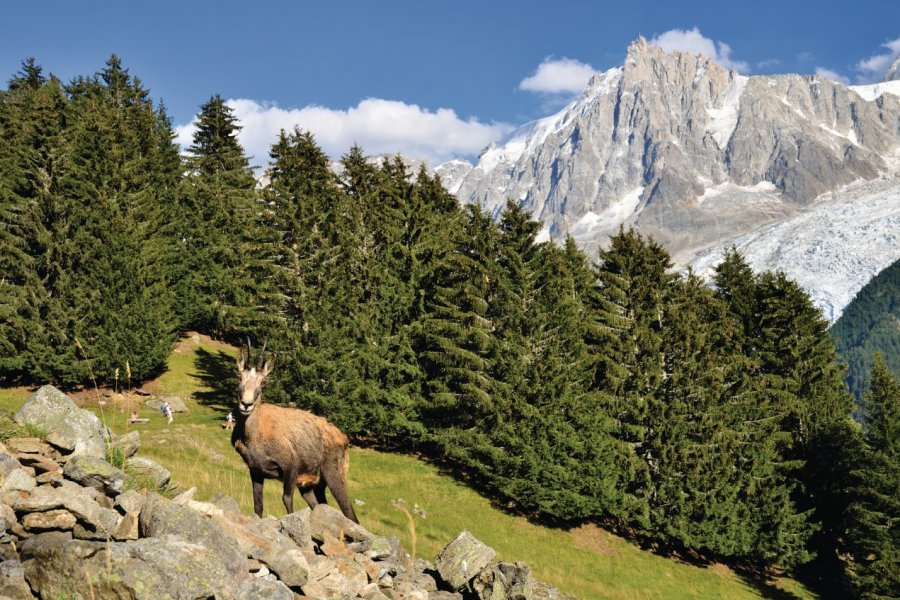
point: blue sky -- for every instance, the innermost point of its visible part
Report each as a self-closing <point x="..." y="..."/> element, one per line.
<point x="423" y="78"/>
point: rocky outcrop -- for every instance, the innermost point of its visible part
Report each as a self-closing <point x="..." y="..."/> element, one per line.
<point x="74" y="531"/>
<point x="69" y="428"/>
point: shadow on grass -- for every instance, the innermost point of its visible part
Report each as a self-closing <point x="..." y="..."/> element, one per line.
<point x="217" y="373"/>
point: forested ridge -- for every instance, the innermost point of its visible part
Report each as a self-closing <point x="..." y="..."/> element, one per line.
<point x="710" y="418"/>
<point x="870" y="325"/>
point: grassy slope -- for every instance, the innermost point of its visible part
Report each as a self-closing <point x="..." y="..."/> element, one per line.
<point x="432" y="509"/>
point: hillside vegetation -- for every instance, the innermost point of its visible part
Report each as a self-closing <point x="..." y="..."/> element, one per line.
<point x="712" y="421"/>
<point x="407" y="497"/>
<point x="870" y="325"/>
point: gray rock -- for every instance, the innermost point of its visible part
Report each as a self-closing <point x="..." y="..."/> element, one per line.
<point x="30" y="445"/>
<point x="130" y="502"/>
<point x="256" y="588"/>
<point x="70" y="428"/>
<point x="18" y="480"/>
<point x="444" y="595"/>
<point x="159" y="567"/>
<point x="328" y="523"/>
<point x="296" y="526"/>
<point x="8" y="463"/>
<point x="506" y="581"/>
<point x="128" y="444"/>
<point x="96" y="473"/>
<point x="225" y="502"/>
<point x="7" y="518"/>
<point x="160" y="517"/>
<point x="545" y="591"/>
<point x="38" y="462"/>
<point x="12" y="581"/>
<point x="157" y="474"/>
<point x="52" y="519"/>
<point x="42" y="540"/>
<point x="175" y="402"/>
<point x="462" y="559"/>
<point x="128" y="528"/>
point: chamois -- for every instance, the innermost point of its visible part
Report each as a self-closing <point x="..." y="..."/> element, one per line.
<point x="292" y="445"/>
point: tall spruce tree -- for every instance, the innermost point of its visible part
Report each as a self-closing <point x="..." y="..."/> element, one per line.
<point x="216" y="222"/>
<point x="874" y="516"/>
<point x="630" y="303"/>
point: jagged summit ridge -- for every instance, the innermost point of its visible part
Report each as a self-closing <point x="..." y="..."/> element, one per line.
<point x="686" y="150"/>
<point x="893" y="71"/>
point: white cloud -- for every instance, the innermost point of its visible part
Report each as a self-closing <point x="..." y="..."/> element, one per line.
<point x="378" y="126"/>
<point x="872" y="69"/>
<point x="693" y="42"/>
<point x="558" y="76"/>
<point x="831" y="75"/>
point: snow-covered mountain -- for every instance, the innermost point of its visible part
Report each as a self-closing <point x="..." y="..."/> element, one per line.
<point x="702" y="157"/>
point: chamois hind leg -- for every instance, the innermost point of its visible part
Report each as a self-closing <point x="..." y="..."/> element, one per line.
<point x="319" y="488"/>
<point x="288" y="496"/>
<point x="334" y="473"/>
<point x="309" y="494"/>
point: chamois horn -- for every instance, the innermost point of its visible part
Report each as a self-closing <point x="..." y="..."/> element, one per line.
<point x="262" y="357"/>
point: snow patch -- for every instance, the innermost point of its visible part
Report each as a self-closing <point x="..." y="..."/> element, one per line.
<point x="875" y="90"/>
<point x="615" y="214"/>
<point x="730" y="188"/>
<point x="723" y="121"/>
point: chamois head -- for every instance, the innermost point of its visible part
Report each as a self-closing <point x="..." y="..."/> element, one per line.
<point x="250" y="378"/>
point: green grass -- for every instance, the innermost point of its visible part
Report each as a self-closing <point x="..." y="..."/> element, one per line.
<point x="588" y="562"/>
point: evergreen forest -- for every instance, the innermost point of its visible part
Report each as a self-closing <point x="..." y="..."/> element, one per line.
<point x="870" y="325"/>
<point x="703" y="417"/>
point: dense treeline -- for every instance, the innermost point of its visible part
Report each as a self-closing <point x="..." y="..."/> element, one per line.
<point x="869" y="326"/>
<point x="711" y="418"/>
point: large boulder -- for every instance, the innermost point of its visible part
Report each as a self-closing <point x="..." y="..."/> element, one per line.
<point x="328" y="523"/>
<point x="159" y="567"/>
<point x="271" y="547"/>
<point x="68" y="427"/>
<point x="128" y="444"/>
<point x="161" y="517"/>
<point x="154" y="472"/>
<point x="96" y="473"/>
<point x="463" y="559"/>
<point x="175" y="402"/>
<point x="263" y="589"/>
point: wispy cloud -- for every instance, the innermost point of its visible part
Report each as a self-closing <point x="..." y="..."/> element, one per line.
<point x="768" y="63"/>
<point x="831" y="75"/>
<point x="558" y="76"/>
<point x="378" y="126"/>
<point x="694" y="42"/>
<point x="872" y="69"/>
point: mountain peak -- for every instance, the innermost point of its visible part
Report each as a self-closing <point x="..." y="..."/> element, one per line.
<point x="893" y="71"/>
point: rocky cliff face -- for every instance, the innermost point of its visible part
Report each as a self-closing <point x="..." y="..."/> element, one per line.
<point x="687" y="151"/>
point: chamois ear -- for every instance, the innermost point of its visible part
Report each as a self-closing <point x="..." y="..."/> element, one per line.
<point x="270" y="364"/>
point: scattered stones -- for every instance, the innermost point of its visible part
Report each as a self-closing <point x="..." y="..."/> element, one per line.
<point x="73" y="532"/>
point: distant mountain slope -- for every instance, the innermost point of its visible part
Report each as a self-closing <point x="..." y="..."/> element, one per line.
<point x="698" y="156"/>
<point x="871" y="324"/>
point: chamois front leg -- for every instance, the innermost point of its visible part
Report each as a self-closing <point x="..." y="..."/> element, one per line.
<point x="257" y="478"/>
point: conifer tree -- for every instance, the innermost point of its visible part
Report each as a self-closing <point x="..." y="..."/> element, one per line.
<point x="216" y="221"/>
<point x="633" y="284"/>
<point x="874" y="516"/>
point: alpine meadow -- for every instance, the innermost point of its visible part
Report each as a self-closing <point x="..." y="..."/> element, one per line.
<point x="709" y="420"/>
